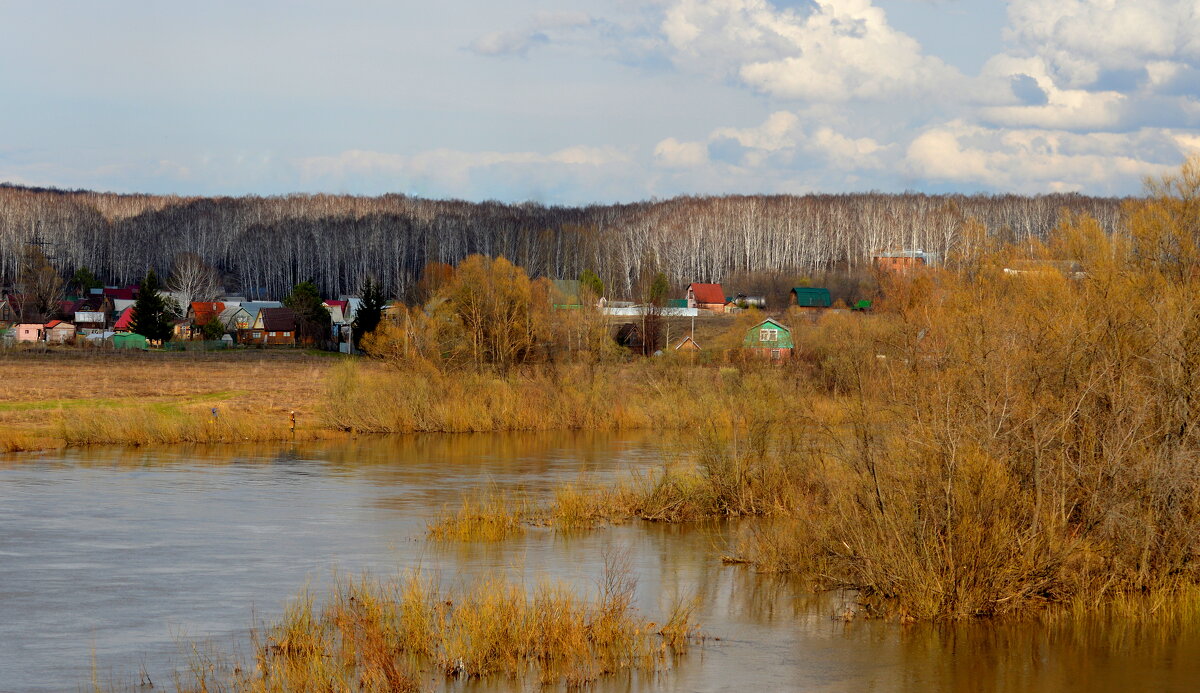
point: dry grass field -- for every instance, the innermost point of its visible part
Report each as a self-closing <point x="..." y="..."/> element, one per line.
<point x="58" y="398"/>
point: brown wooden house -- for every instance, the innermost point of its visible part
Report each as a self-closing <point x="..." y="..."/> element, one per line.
<point x="272" y="327"/>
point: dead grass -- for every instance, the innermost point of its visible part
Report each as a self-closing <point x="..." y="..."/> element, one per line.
<point x="374" y="635"/>
<point x="62" y="398"/>
<point x="487" y="515"/>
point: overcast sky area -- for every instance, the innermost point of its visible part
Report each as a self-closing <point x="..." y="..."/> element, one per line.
<point x="578" y="101"/>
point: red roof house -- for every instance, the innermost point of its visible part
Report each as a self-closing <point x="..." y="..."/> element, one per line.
<point x="706" y="296"/>
<point x="204" y="312"/>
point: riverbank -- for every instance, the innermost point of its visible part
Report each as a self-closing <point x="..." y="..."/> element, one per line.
<point x="66" y="399"/>
<point x="63" y="399"/>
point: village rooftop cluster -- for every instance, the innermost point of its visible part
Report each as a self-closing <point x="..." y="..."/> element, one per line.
<point x="104" y="317"/>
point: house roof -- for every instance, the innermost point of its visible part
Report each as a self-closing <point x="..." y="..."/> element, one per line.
<point x="205" y="311"/>
<point x="688" y="343"/>
<point x="126" y="319"/>
<point x="812" y="297"/>
<point x="278" y="319"/>
<point x="128" y="293"/>
<point x="228" y="315"/>
<point x="707" y="293"/>
<point x="50" y="325"/>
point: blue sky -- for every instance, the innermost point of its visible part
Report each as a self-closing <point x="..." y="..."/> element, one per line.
<point x="577" y="101"/>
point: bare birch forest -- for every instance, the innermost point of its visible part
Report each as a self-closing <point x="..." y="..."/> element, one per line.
<point x="268" y="244"/>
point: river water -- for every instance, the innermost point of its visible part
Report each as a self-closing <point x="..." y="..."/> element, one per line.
<point x="114" y="561"/>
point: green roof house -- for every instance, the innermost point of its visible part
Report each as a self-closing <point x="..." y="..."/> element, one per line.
<point x="812" y="298"/>
<point x="769" y="339"/>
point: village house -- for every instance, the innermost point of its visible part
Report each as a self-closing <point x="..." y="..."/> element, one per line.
<point x="687" y="345"/>
<point x="60" y="332"/>
<point x="337" y="311"/>
<point x="709" y="297"/>
<point x="272" y="327"/>
<point x="10" y="308"/>
<point x="811" y="298"/>
<point x="31" y="332"/>
<point x="234" y="318"/>
<point x="902" y="261"/>
<point x="201" y="313"/>
<point x="769" y="339"/>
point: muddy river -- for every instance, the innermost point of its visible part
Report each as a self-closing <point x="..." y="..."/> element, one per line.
<point x="114" y="562"/>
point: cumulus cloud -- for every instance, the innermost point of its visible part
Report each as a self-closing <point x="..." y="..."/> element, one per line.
<point x="1036" y="160"/>
<point x="1080" y="39"/>
<point x="672" y="153"/>
<point x="781" y="142"/>
<point x="833" y="50"/>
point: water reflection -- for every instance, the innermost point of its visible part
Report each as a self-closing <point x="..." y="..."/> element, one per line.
<point x="117" y="552"/>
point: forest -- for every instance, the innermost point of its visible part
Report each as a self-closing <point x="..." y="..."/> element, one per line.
<point x="266" y="245"/>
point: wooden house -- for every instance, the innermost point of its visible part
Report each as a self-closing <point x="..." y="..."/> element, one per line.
<point x="706" y="297"/>
<point x="201" y="313"/>
<point x="687" y="345"/>
<point x="769" y="339"/>
<point x="629" y="335"/>
<point x="60" y="332"/>
<point x="272" y="327"/>
<point x="10" y="308"/>
<point x="811" y="298"/>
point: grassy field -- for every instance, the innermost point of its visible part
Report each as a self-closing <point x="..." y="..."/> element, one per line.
<point x="59" y="398"/>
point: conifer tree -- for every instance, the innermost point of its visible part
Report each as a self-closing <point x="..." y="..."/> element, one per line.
<point x="370" y="310"/>
<point x="152" y="318"/>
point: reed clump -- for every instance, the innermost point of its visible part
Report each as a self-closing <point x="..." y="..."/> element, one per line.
<point x="487" y="515"/>
<point x="373" y="635"/>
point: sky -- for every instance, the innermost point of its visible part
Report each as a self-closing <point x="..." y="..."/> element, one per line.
<point x="582" y="101"/>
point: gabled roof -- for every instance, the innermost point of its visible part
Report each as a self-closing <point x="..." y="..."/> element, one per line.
<point x="707" y="293"/>
<point x="278" y="319"/>
<point x="205" y="311"/>
<point x="53" y="323"/>
<point x="230" y="313"/>
<point x="773" y="323"/>
<point x="688" y="344"/>
<point x="123" y="323"/>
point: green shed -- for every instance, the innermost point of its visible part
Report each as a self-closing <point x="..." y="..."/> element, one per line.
<point x="812" y="297"/>
<point x="128" y="340"/>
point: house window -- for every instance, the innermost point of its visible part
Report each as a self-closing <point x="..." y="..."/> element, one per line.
<point x="775" y="354"/>
<point x="287" y="334"/>
<point x="768" y="335"/>
<point x="258" y="335"/>
<point x="272" y="334"/>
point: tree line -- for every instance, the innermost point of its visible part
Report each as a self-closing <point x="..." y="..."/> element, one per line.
<point x="267" y="245"/>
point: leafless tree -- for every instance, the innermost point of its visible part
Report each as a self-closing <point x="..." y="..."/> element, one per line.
<point x="40" y="285"/>
<point x="193" y="279"/>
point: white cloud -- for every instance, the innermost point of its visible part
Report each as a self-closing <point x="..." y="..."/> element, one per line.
<point x="671" y="153"/>
<point x="840" y="50"/>
<point x="1081" y="38"/>
<point x="1036" y="160"/>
